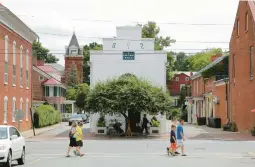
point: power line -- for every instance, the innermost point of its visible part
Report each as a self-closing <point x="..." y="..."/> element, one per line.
<point x="134" y="22"/>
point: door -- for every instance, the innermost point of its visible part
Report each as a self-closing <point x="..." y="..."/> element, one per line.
<point x="17" y="144"/>
<point x="135" y="119"/>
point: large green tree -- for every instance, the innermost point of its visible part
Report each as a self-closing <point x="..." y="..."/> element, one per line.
<point x="181" y="63"/>
<point x="72" y="80"/>
<point x="82" y="91"/>
<point x="127" y="94"/>
<point x="42" y="53"/>
<point x="86" y="59"/>
<point x="201" y="59"/>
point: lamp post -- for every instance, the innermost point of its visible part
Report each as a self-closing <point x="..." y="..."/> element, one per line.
<point x="226" y="80"/>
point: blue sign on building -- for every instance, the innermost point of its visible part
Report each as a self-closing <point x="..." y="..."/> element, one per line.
<point x="128" y="55"/>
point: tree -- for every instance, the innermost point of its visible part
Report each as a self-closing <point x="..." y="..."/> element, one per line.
<point x="127" y="94"/>
<point x="71" y="93"/>
<point x="202" y="59"/>
<point x="86" y="59"/>
<point x="82" y="91"/>
<point x="72" y="80"/>
<point x="170" y="66"/>
<point x="151" y="30"/>
<point x="182" y="96"/>
<point x="42" y="53"/>
<point x="181" y="63"/>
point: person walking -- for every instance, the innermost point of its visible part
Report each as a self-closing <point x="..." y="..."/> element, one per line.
<point x="72" y="139"/>
<point x="79" y="138"/>
<point x="145" y="124"/>
<point x="180" y="137"/>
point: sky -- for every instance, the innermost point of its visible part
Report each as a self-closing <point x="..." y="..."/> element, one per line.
<point x="55" y="20"/>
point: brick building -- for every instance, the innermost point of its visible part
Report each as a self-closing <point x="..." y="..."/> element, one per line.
<point x="209" y="98"/>
<point x="180" y="79"/>
<point x="16" y="40"/>
<point x="241" y="66"/>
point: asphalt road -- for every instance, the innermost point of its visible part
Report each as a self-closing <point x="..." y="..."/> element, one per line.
<point x="149" y="153"/>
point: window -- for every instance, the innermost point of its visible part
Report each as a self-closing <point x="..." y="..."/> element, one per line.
<point x="13" y="109"/>
<point x="246" y="21"/>
<point x="233" y="68"/>
<point x="47" y="91"/>
<point x="14" y="64"/>
<point x="27" y="108"/>
<point x="251" y="63"/>
<point x="41" y="78"/>
<point x="187" y="78"/>
<point x="51" y="91"/>
<point x="21" y="104"/>
<point x="5" y="109"/>
<point x="237" y="27"/>
<point x="27" y="68"/>
<point x="177" y="79"/>
<point x="197" y="86"/>
<point x="14" y="131"/>
<point x="194" y="86"/>
<point x="6" y="46"/>
<point x="21" y="66"/>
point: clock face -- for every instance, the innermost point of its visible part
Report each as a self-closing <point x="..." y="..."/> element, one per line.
<point x="127" y="45"/>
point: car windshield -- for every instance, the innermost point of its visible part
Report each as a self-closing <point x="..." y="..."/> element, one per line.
<point x="3" y="133"/>
<point x="76" y="116"/>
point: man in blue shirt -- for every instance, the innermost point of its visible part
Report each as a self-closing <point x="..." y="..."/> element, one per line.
<point x="180" y="137"/>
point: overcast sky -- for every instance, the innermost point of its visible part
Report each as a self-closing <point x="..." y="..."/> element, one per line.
<point x="48" y="17"/>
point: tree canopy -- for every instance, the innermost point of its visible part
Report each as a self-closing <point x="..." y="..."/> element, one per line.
<point x="42" y="53"/>
<point x="127" y="93"/>
<point x="72" y="80"/>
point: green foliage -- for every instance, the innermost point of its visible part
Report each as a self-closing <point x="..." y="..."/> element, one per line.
<point x="72" y="77"/>
<point x="233" y="127"/>
<point x="182" y="96"/>
<point x="181" y="63"/>
<point x="151" y="30"/>
<point x="176" y="113"/>
<point x="42" y="53"/>
<point x="82" y="91"/>
<point x="170" y="66"/>
<point x="47" y="115"/>
<point x="101" y="121"/>
<point x="86" y="59"/>
<point x="127" y="94"/>
<point x="71" y="93"/>
<point x="155" y="122"/>
<point x="201" y="59"/>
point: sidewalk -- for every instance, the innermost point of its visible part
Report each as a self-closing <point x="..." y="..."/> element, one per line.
<point x="30" y="133"/>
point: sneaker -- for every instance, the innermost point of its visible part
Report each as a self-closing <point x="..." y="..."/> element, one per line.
<point x="68" y="156"/>
<point x="184" y="155"/>
<point x="82" y="155"/>
<point x="176" y="152"/>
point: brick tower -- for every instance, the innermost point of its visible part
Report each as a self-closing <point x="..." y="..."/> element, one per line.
<point x="74" y="56"/>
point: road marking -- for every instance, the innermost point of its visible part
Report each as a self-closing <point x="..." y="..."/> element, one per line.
<point x="36" y="160"/>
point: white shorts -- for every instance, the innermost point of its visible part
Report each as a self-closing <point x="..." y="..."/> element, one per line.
<point x="180" y="142"/>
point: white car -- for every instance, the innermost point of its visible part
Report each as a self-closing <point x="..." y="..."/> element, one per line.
<point x="12" y="146"/>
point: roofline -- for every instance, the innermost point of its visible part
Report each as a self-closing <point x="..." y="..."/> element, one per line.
<point x="198" y="74"/>
<point x="9" y="11"/>
<point x="41" y="72"/>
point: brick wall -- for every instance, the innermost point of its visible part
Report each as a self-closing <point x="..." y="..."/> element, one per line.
<point x="242" y="89"/>
<point x="14" y="91"/>
<point x="38" y="91"/>
<point x="78" y="61"/>
<point x="174" y="85"/>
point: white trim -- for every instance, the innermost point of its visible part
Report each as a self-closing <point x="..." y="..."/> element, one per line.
<point x="13" y="108"/>
<point x="197" y="98"/>
<point x="41" y="72"/>
<point x="219" y="82"/>
<point x="6" y="47"/>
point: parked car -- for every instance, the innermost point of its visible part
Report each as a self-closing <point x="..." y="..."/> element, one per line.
<point x="12" y="146"/>
<point x="76" y="118"/>
<point x="85" y="118"/>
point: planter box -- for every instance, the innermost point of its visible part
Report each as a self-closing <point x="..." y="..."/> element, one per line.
<point x="101" y="130"/>
<point x="214" y="122"/>
<point x="201" y="121"/>
<point x="154" y="130"/>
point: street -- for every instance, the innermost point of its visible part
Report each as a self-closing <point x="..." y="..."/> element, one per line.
<point x="137" y="152"/>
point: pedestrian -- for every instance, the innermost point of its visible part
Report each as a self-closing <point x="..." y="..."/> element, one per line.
<point x="180" y="137"/>
<point x="72" y="138"/>
<point x="145" y="124"/>
<point x="79" y="138"/>
<point x="172" y="141"/>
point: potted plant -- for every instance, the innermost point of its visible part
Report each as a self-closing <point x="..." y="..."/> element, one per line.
<point x="253" y="131"/>
<point x="101" y="128"/>
<point x="155" y="125"/>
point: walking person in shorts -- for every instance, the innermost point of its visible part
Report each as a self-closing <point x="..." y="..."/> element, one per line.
<point x="180" y="137"/>
<point x="79" y="138"/>
<point x="72" y="138"/>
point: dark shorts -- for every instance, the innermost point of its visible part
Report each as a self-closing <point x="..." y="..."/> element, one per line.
<point x="79" y="143"/>
<point x="73" y="142"/>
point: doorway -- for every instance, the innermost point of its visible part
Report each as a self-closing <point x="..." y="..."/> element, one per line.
<point x="135" y="119"/>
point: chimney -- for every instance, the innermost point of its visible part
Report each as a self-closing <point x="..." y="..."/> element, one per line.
<point x="191" y="73"/>
<point x="40" y="63"/>
<point x="214" y="57"/>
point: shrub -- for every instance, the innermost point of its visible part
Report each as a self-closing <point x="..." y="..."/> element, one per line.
<point x="155" y="123"/>
<point x="252" y="130"/>
<point x="175" y="113"/>
<point x="101" y="121"/>
<point x="46" y="115"/>
<point x="233" y="127"/>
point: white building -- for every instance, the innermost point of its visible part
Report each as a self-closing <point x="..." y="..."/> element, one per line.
<point x="128" y="53"/>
